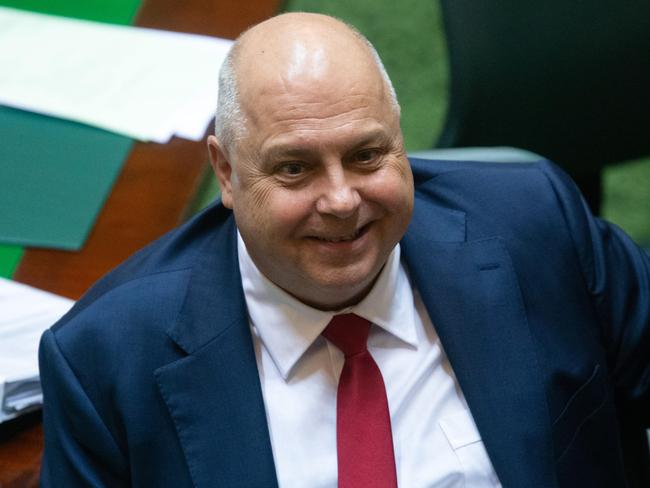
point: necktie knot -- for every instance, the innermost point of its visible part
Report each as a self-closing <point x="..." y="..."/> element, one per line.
<point x="349" y="333"/>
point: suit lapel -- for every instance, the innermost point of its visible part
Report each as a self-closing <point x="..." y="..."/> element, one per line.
<point x="471" y="293"/>
<point x="213" y="394"/>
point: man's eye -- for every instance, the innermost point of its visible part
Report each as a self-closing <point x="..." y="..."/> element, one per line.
<point x="291" y="169"/>
<point x="366" y="155"/>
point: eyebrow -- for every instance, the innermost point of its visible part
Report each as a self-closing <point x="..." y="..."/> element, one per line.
<point x="283" y="150"/>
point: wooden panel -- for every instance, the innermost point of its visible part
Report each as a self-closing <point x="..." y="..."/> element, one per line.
<point x="150" y="197"/>
<point x="221" y="18"/>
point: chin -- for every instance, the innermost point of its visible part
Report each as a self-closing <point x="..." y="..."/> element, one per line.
<point x="343" y="287"/>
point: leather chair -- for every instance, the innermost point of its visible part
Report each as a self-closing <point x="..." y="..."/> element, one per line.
<point x="564" y="79"/>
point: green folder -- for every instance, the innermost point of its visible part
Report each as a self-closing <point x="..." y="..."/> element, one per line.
<point x="54" y="178"/>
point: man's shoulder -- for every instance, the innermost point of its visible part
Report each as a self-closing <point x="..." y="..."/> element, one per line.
<point x="489" y="184"/>
<point x="123" y="329"/>
<point x="148" y="289"/>
<point x="425" y="170"/>
<point x="516" y="201"/>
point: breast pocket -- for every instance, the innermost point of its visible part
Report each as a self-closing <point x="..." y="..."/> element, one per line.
<point x="465" y="440"/>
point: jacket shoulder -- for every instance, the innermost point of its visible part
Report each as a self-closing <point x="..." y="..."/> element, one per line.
<point x="149" y="287"/>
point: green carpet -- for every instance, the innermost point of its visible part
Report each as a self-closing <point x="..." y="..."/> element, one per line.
<point x="627" y="198"/>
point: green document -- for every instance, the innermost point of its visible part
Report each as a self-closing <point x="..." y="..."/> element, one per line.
<point x="9" y="258"/>
<point x="54" y="178"/>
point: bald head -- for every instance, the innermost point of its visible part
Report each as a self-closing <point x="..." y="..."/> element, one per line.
<point x="313" y="163"/>
<point x="295" y="51"/>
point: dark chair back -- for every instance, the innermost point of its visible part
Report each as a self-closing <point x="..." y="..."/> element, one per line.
<point x="569" y="80"/>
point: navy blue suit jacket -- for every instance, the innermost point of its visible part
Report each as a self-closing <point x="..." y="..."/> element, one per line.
<point x="544" y="312"/>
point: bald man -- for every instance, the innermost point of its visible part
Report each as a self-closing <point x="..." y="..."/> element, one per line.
<point x="503" y="321"/>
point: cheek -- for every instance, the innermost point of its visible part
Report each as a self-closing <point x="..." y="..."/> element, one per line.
<point x="290" y="209"/>
<point x="393" y="191"/>
<point x="275" y="212"/>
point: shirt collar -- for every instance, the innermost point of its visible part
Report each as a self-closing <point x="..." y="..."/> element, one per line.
<point x="287" y="327"/>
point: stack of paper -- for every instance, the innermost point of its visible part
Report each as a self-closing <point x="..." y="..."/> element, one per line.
<point x="142" y="83"/>
<point x="25" y="313"/>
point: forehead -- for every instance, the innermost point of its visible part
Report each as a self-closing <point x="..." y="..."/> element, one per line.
<point x="314" y="117"/>
<point x="318" y="102"/>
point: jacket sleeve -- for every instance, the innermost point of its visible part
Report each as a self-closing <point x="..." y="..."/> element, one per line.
<point x="617" y="275"/>
<point x="79" y="449"/>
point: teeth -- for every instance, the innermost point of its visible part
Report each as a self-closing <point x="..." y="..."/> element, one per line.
<point x="340" y="239"/>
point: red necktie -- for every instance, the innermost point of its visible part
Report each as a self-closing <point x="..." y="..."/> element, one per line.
<point x="363" y="435"/>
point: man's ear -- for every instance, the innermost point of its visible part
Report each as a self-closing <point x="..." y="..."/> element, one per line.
<point x="222" y="168"/>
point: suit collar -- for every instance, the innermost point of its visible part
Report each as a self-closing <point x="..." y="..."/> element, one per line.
<point x="287" y="328"/>
<point x="209" y="307"/>
<point x="471" y="292"/>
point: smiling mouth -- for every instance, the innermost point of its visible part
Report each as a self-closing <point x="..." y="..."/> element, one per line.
<point x="344" y="238"/>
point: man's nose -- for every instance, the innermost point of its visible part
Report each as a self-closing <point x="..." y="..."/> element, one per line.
<point x="339" y="197"/>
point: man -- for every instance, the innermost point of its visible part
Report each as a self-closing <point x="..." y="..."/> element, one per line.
<point x="506" y="319"/>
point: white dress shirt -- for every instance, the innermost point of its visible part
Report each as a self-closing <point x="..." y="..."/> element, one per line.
<point x="436" y="442"/>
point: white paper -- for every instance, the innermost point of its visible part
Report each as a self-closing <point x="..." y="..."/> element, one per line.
<point x="143" y="83"/>
<point x="25" y="313"/>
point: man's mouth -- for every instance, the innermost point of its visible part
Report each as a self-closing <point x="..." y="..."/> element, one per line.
<point x="343" y="238"/>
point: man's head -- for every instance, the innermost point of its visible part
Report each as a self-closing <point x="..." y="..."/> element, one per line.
<point x="309" y="156"/>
